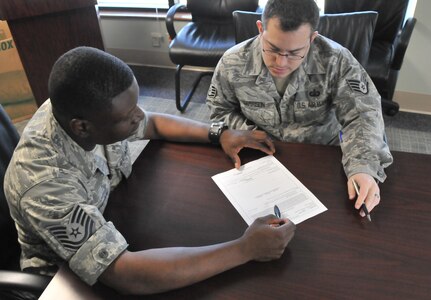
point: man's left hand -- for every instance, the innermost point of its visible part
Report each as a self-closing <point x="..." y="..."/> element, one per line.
<point x="232" y="141"/>
<point x="369" y="191"/>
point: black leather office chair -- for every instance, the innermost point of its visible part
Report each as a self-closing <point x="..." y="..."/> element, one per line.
<point x="202" y="41"/>
<point x="391" y="38"/>
<point x="14" y="284"/>
<point x="352" y="30"/>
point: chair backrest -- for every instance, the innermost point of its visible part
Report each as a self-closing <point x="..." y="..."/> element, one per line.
<point x="245" y="25"/>
<point x="351" y="30"/>
<point x="218" y="10"/>
<point x="9" y="250"/>
<point x="391" y="14"/>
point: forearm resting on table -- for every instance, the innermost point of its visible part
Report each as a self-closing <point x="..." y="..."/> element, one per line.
<point x="235" y="120"/>
<point x="173" y="128"/>
<point x="159" y="270"/>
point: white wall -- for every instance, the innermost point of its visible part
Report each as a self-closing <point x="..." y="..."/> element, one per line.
<point x="413" y="90"/>
<point x="131" y="40"/>
<point x="415" y="73"/>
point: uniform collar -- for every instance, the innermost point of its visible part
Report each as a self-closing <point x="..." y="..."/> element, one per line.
<point x="255" y="67"/>
<point x="254" y="64"/>
<point x="87" y="161"/>
<point x="313" y="62"/>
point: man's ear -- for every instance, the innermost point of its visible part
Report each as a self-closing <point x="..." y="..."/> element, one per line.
<point x="80" y="128"/>
<point x="314" y="35"/>
<point x="259" y="26"/>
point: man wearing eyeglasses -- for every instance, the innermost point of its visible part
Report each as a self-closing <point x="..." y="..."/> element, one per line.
<point x="299" y="86"/>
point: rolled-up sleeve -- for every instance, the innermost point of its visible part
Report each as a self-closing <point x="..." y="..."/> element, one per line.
<point x="70" y="226"/>
<point x="97" y="253"/>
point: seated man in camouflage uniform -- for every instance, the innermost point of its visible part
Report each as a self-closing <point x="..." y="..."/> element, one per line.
<point x="299" y="86"/>
<point x="73" y="152"/>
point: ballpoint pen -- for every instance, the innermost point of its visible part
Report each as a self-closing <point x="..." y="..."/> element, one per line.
<point x="363" y="206"/>
<point x="277" y="212"/>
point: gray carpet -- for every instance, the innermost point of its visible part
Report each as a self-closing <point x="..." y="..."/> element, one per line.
<point x="401" y="136"/>
<point x="194" y="111"/>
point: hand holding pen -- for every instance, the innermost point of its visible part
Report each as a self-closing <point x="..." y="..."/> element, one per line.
<point x="277" y="213"/>
<point x="363" y="206"/>
<point x="366" y="193"/>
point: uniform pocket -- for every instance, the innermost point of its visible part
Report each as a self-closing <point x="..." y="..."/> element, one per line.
<point x="311" y="105"/>
<point x="310" y="111"/>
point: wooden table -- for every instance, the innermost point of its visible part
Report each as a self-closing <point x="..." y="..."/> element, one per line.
<point x="171" y="200"/>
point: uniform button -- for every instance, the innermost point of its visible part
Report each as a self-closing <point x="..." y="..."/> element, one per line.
<point x="103" y="253"/>
<point x="380" y="173"/>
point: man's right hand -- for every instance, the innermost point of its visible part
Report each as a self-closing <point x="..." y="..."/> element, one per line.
<point x="233" y="141"/>
<point x="162" y="269"/>
<point x="267" y="238"/>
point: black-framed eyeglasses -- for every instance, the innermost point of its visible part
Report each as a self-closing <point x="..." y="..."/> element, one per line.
<point x="275" y="53"/>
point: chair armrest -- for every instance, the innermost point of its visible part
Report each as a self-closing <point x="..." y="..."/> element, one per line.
<point x="401" y="43"/>
<point x="170" y="18"/>
<point x="17" y="280"/>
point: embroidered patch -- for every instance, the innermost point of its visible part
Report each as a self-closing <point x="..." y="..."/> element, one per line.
<point x="314" y="93"/>
<point x="360" y="86"/>
<point x="212" y="92"/>
<point x="76" y="232"/>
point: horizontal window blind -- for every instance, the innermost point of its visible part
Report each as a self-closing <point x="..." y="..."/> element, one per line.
<point x="163" y="3"/>
<point x="135" y="3"/>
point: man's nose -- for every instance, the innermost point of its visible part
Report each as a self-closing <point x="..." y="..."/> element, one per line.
<point x="281" y="60"/>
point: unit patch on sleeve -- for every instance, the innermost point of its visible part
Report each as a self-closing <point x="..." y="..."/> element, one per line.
<point x="360" y="86"/>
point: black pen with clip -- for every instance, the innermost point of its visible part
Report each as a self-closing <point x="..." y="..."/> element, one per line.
<point x="363" y="206"/>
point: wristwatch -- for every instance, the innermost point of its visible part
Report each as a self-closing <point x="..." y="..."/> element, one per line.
<point x="216" y="129"/>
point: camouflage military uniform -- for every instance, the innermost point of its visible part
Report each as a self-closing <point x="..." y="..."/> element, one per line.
<point x="329" y="99"/>
<point x="57" y="193"/>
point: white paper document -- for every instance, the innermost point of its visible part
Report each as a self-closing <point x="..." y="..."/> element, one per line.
<point x="257" y="186"/>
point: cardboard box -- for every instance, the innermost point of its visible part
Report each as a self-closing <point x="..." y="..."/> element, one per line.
<point x="15" y="93"/>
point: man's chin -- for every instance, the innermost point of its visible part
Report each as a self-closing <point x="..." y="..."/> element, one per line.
<point x="279" y="73"/>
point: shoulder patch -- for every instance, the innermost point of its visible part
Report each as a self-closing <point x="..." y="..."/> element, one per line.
<point x="212" y="92"/>
<point x="360" y="86"/>
<point x="79" y="228"/>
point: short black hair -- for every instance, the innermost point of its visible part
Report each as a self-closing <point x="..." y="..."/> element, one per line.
<point x="84" y="80"/>
<point x="291" y="13"/>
